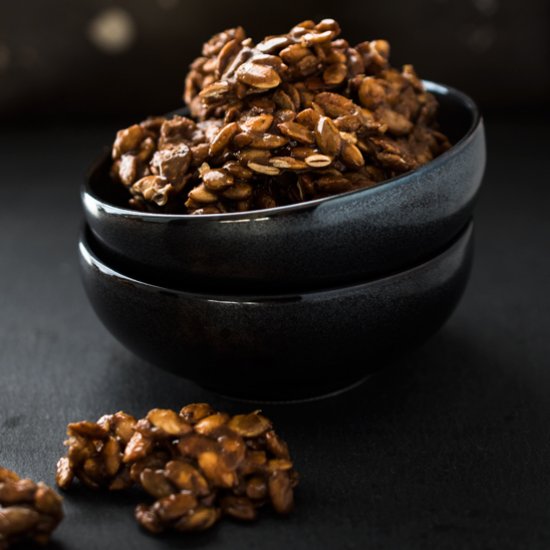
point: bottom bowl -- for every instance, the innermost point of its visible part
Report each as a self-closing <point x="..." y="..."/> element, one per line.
<point x="278" y="346"/>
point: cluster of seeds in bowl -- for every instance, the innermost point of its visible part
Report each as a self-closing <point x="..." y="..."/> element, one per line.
<point x="29" y="511"/>
<point x="197" y="465"/>
<point x="295" y="117"/>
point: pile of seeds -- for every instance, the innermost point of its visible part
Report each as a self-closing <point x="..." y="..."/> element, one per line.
<point x="295" y="117"/>
<point x="197" y="464"/>
<point x="29" y="511"/>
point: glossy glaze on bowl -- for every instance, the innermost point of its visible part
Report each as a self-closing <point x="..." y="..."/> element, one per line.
<point x="349" y="237"/>
<point x="278" y="346"/>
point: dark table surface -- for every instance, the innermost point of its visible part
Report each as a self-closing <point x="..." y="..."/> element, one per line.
<point x="449" y="449"/>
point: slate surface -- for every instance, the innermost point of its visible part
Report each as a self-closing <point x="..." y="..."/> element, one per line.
<point x="450" y="449"/>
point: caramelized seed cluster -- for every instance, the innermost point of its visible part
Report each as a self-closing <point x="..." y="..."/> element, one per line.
<point x="29" y="511"/>
<point x="295" y="117"/>
<point x="197" y="464"/>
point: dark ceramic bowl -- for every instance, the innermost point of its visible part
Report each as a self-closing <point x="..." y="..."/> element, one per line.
<point x="337" y="240"/>
<point x="278" y="346"/>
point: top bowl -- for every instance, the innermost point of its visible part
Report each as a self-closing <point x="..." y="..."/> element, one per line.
<point x="343" y="238"/>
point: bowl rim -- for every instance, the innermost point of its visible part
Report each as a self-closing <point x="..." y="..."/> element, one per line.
<point x="93" y="202"/>
<point x="88" y="255"/>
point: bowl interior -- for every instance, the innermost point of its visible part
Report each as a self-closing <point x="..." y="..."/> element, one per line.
<point x="458" y="117"/>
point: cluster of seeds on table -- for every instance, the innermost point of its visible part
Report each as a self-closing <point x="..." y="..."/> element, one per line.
<point x="29" y="511"/>
<point x="197" y="465"/>
<point x="295" y="117"/>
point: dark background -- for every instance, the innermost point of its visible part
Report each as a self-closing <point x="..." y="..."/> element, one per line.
<point x="448" y="449"/>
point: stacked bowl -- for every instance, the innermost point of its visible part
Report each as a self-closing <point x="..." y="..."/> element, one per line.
<point x="294" y="301"/>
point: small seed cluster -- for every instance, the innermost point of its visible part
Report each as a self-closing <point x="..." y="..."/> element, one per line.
<point x="197" y="465"/>
<point x="295" y="117"/>
<point x="29" y="511"/>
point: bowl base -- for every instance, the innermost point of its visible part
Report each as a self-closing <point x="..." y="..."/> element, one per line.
<point x="280" y="347"/>
<point x="296" y="394"/>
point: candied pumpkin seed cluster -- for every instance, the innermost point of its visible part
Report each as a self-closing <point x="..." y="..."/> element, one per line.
<point x="295" y="117"/>
<point x="197" y="465"/>
<point x="29" y="511"/>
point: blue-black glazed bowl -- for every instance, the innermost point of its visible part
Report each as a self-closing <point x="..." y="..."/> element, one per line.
<point x="337" y="240"/>
<point x="278" y="346"/>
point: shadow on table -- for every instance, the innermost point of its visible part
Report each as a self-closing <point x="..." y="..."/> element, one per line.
<point x="51" y="545"/>
<point x="427" y="381"/>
